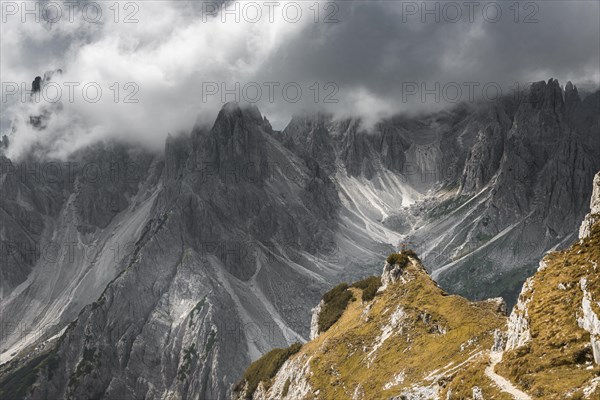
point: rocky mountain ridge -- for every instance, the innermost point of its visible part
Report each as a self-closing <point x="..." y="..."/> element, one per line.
<point x="205" y="283"/>
<point x="197" y="261"/>
<point x="415" y="341"/>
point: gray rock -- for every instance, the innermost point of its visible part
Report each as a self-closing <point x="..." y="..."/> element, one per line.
<point x="237" y="230"/>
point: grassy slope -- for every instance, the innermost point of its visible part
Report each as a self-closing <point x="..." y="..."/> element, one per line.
<point x="461" y="386"/>
<point x="341" y="359"/>
<point x="553" y="362"/>
<point x="426" y="345"/>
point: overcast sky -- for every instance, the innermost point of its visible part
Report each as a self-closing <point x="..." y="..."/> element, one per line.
<point x="354" y="58"/>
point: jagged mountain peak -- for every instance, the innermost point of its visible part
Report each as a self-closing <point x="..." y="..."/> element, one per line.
<point x="208" y="220"/>
<point x="546" y="95"/>
<point x="39" y="82"/>
<point x="232" y="119"/>
<point x="572" y="98"/>
<point x="593" y="216"/>
<point x="234" y="110"/>
<point x="402" y="337"/>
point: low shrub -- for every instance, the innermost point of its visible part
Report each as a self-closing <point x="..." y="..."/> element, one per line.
<point x="583" y="355"/>
<point x="368" y="286"/>
<point x="410" y="253"/>
<point x="401" y="258"/>
<point x="335" y="302"/>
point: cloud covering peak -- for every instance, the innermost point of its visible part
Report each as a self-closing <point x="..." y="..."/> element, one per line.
<point x="161" y="65"/>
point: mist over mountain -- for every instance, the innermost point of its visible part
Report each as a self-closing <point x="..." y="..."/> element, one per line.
<point x="198" y="260"/>
<point x="188" y="189"/>
<point x="182" y="61"/>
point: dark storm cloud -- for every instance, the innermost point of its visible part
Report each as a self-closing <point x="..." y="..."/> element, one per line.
<point x="378" y="45"/>
<point x="373" y="51"/>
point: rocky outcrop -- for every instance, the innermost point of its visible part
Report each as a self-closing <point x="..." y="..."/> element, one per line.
<point x="227" y="249"/>
<point x="526" y="181"/>
<point x="477" y="393"/>
<point x="393" y="273"/>
<point x="594" y="215"/>
<point x="499" y="340"/>
<point x="308" y="136"/>
<point x="244" y="224"/>
<point x="40" y="120"/>
<point x="483" y="159"/>
<point x="375" y="350"/>
<point x="499" y="303"/>
<point x="36" y="85"/>
<point x="553" y="331"/>
<point x="518" y="323"/>
<point x="314" y="320"/>
<point x="589" y="319"/>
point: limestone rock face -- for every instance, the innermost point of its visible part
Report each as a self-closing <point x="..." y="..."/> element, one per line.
<point x="499" y="303"/>
<point x="595" y="201"/>
<point x="516" y="171"/>
<point x="391" y="273"/>
<point x="484" y="158"/>
<point x="227" y="241"/>
<point x="499" y="340"/>
<point x="55" y="209"/>
<point x="518" y="323"/>
<point x="589" y="320"/>
<point x="477" y="393"/>
<point x="594" y="215"/>
<point x="534" y="193"/>
<point x="314" y="320"/>
<point x="240" y="223"/>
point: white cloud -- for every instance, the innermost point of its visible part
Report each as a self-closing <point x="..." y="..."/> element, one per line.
<point x="173" y="50"/>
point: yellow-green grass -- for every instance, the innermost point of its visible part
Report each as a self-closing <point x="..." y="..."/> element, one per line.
<point x="460" y="385"/>
<point x="369" y="287"/>
<point x="341" y="359"/>
<point x="555" y="363"/>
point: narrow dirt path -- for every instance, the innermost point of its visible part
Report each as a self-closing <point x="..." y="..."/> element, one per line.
<point x="501" y="382"/>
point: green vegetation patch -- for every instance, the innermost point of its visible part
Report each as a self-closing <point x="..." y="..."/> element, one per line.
<point x="335" y="302"/>
<point x="369" y="287"/>
<point x="401" y="259"/>
<point x="266" y="367"/>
